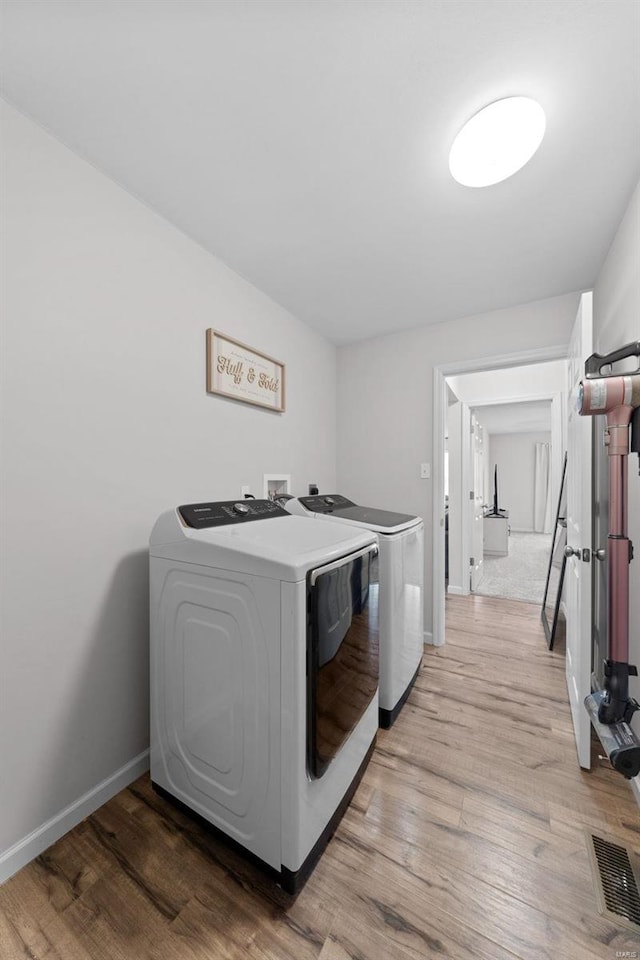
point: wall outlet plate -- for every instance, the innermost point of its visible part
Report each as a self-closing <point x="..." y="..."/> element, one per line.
<point x="425" y="471"/>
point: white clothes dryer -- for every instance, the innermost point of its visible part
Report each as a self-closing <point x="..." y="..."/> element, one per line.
<point x="264" y="674"/>
<point x="401" y="539"/>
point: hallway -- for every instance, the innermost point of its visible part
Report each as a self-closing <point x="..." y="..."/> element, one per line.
<point x="465" y="839"/>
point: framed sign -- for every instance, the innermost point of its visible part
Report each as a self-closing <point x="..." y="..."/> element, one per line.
<point x="240" y="372"/>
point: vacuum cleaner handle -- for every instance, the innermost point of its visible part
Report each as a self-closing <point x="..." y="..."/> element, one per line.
<point x="635" y="434"/>
<point x="595" y="363"/>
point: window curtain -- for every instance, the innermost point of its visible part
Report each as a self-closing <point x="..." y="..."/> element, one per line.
<point x="542" y="489"/>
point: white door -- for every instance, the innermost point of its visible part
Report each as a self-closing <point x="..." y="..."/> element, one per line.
<point x="577" y="589"/>
<point x="477" y="502"/>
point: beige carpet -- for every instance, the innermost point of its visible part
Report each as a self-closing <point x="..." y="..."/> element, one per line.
<point x="523" y="573"/>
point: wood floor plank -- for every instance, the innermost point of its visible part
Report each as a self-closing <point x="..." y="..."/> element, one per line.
<point x="470" y="902"/>
<point x="398" y="904"/>
<point x="355" y="936"/>
<point x="115" y="918"/>
<point x="526" y="836"/>
<point x="405" y="784"/>
<point x="466" y="839"/>
<point x="224" y="923"/>
<point x="552" y="892"/>
<point x="393" y="909"/>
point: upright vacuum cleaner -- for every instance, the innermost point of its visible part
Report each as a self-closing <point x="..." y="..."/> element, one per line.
<point x="618" y="398"/>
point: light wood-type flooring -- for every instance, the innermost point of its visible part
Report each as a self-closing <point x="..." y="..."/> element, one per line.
<point x="466" y="839"/>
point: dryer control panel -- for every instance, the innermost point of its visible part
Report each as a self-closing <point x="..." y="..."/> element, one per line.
<point x="326" y="503"/>
<point x="221" y="512"/>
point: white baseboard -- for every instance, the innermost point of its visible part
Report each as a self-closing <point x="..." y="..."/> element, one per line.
<point x="428" y="637"/>
<point x="33" y="844"/>
<point x="455" y="591"/>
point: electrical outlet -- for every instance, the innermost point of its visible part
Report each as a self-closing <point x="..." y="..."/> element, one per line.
<point x="244" y="490"/>
<point x="425" y="471"/>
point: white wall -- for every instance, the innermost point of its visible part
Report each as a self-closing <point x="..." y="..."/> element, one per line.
<point x="457" y="503"/>
<point x="385" y="397"/>
<point x="515" y="417"/>
<point x="497" y="386"/>
<point x="105" y="423"/>
<point x="515" y="455"/>
<point x="616" y="314"/>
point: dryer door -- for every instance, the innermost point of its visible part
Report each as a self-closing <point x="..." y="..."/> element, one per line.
<point x="342" y="652"/>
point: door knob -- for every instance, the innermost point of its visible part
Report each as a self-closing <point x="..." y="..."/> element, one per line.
<point x="600" y="554"/>
<point x="584" y="555"/>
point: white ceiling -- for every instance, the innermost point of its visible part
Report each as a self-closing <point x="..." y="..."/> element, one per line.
<point x="305" y="142"/>
<point x="527" y="417"/>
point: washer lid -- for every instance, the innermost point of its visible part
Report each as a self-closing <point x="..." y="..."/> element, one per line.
<point x="384" y="521"/>
<point x="280" y="546"/>
<point x="334" y="506"/>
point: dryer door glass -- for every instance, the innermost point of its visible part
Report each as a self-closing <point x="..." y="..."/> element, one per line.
<point x="342" y="652"/>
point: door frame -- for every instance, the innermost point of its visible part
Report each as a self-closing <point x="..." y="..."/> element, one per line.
<point x="440" y="372"/>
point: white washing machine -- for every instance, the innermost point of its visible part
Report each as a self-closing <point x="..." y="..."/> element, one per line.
<point x="264" y="673"/>
<point x="401" y="538"/>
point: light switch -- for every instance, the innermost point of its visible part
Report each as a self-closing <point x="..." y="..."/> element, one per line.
<point x="425" y="471"/>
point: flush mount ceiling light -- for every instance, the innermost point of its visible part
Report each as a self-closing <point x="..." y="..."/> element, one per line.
<point x="497" y="142"/>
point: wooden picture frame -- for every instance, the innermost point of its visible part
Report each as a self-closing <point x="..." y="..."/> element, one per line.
<point x="239" y="372"/>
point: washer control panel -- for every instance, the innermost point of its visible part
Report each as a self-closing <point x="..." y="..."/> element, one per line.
<point x="217" y="514"/>
<point x="326" y="503"/>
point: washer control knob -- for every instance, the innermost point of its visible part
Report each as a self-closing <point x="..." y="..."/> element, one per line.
<point x="241" y="508"/>
<point x="329" y="501"/>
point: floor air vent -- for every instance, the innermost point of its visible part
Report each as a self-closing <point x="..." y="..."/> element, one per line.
<point x="616" y="881"/>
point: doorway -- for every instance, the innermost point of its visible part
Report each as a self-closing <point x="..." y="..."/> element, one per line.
<point x="497" y="382"/>
<point x="500" y="493"/>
